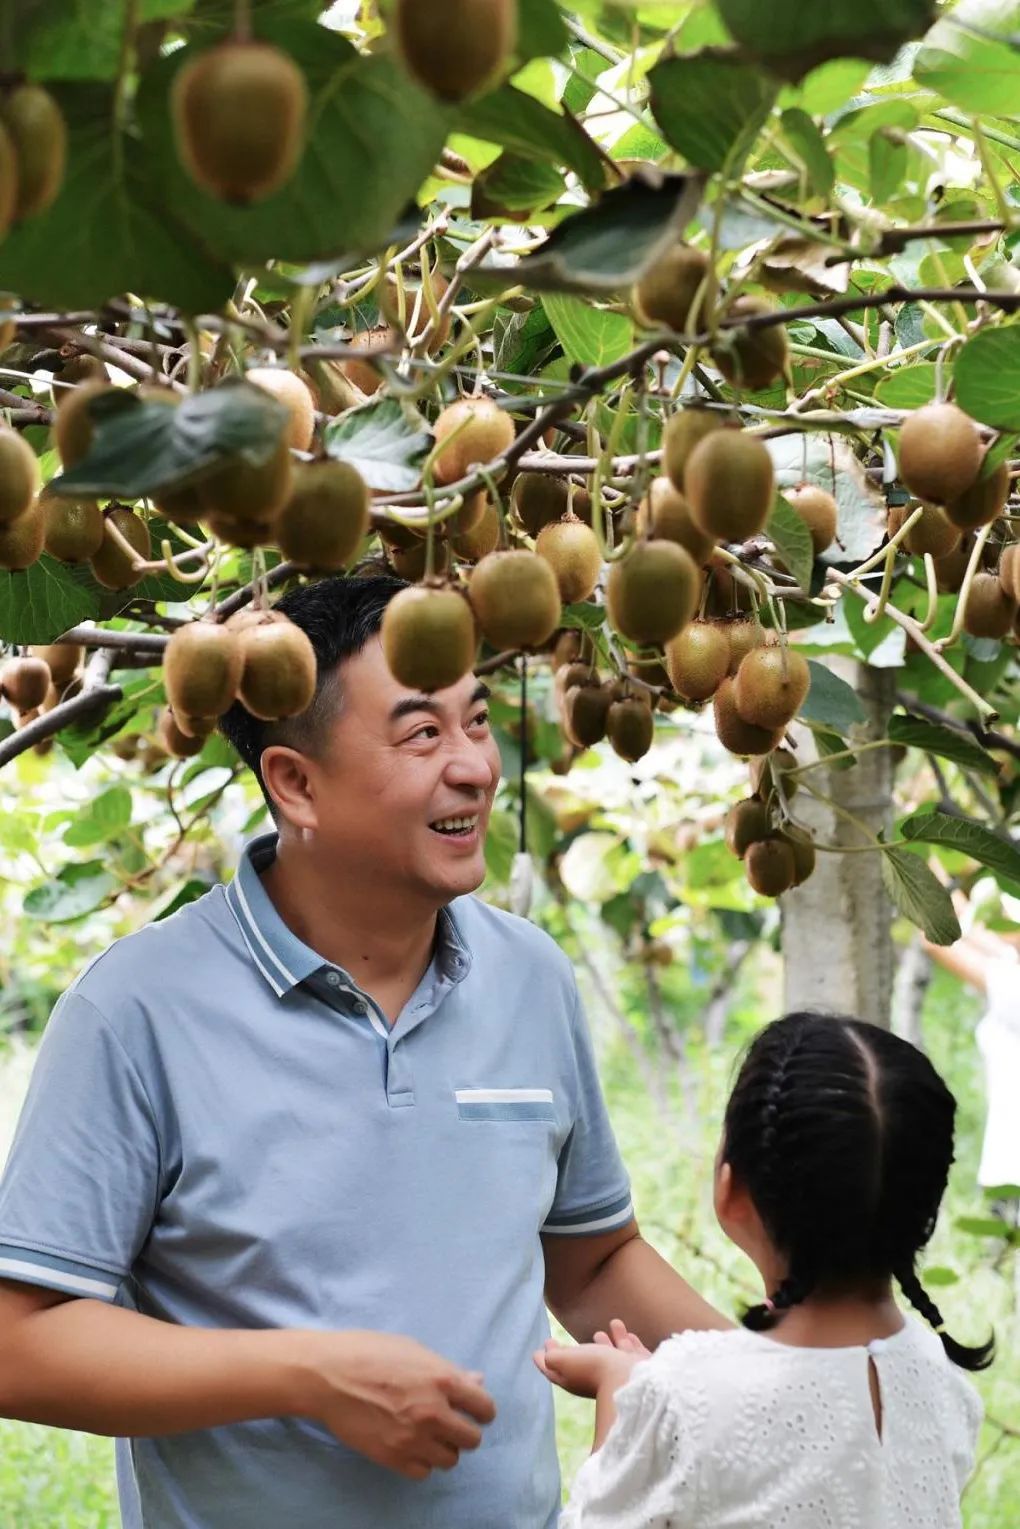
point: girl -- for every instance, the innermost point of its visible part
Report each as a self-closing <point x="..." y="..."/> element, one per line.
<point x="828" y="1409"/>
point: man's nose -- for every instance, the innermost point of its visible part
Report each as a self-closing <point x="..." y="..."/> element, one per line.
<point x="471" y="765"/>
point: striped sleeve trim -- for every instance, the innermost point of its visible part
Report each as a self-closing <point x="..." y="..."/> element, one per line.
<point x="604" y="1217"/>
<point x="33" y="1268"/>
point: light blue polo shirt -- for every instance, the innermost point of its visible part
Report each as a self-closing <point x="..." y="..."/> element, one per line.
<point x="223" y="1131"/>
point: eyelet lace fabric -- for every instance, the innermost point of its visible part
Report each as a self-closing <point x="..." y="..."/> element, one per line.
<point x="733" y="1430"/>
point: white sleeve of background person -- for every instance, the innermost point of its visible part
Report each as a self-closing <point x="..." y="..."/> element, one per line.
<point x="998" y="1038"/>
<point x="81" y="1184"/>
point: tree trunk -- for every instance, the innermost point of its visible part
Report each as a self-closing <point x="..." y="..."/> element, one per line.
<point x="837" y="935"/>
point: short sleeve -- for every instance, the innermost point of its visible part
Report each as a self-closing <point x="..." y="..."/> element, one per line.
<point x="592" y="1188"/>
<point x="643" y="1477"/>
<point x="79" y="1191"/>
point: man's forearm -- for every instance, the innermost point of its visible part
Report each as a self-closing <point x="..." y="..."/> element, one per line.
<point x="645" y="1292"/>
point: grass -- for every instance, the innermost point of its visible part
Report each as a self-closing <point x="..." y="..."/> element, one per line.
<point x="57" y="1480"/>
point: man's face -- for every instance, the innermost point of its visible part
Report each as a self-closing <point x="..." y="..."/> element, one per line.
<point x="404" y="788"/>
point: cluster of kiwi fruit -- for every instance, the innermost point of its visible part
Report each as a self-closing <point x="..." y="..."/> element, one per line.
<point x="37" y="680"/>
<point x="775" y="857"/>
<point x="593" y="708"/>
<point x="33" y="152"/>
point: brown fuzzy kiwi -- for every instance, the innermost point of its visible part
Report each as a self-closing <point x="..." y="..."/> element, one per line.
<point x="241" y="533"/>
<point x="21" y="542"/>
<point x="77" y="369"/>
<point x="990" y="611"/>
<point x="111" y="565"/>
<point x="483" y="432"/>
<point x="585" y="710"/>
<point x="19" y="475"/>
<point x="73" y="528"/>
<point x="238" y="112"/>
<point x="410" y="562"/>
<point x="366" y="377"/>
<point x="278" y="677"/>
<point x="763" y="771"/>
<point x="8" y="179"/>
<point x="666" y="291"/>
<point x="202" y="668"/>
<point x="730" y="485"/>
<point x="429" y="637"/>
<point x="804" y="856"/>
<point x="653" y="592"/>
<point x="983" y="502"/>
<point x="682" y="432"/>
<point x="756" y="358"/>
<point x="470" y="515"/>
<point x="471" y="546"/>
<point x="1009" y="571"/>
<point x="572" y="551"/>
<point x="933" y="533"/>
<point x="38" y="132"/>
<point x="25" y="682"/>
<point x="538" y="500"/>
<point x="72" y="423"/>
<point x="747" y="822"/>
<point x="414" y="298"/>
<point x="322" y="523"/>
<point x="288" y="388"/>
<point x="940" y="452"/>
<point x="770" y="686"/>
<point x="182" y="505"/>
<point x="249" y="493"/>
<point x="648" y="668"/>
<point x="515" y="599"/>
<point x="742" y="637"/>
<point x="951" y="570"/>
<point x="8" y="327"/>
<point x="455" y="48"/>
<point x="630" y="728"/>
<point x="770" y="866"/>
<point x="566" y="648"/>
<point x="175" y="740"/>
<point x="697" y="660"/>
<point x="725" y="596"/>
<point x="819" y="512"/>
<point x="61" y="658"/>
<point x="579" y="673"/>
<point x="665" y="515"/>
<point x="733" y="732"/>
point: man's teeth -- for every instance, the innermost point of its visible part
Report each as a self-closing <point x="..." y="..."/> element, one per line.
<point x="455" y="825"/>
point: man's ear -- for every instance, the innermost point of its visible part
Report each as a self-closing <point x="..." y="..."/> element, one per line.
<point x="288" y="781"/>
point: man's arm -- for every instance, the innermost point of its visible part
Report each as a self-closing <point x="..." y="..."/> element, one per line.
<point x="590" y="1280"/>
<point x="78" y="1363"/>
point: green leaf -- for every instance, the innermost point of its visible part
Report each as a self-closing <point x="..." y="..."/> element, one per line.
<point x="110" y="230"/>
<point x="587" y="617"/>
<point x="867" y="635"/>
<point x="384" y="441"/>
<point x="521" y="341"/>
<point x="939" y="1276"/>
<point x="920" y="896"/>
<point x="909" y="387"/>
<point x="970" y="838"/>
<point x="589" y="335"/>
<point x="792" y="538"/>
<point x="808" y="143"/>
<point x="710" y="105"/>
<point x="513" y="187"/>
<point x="78" y="889"/>
<point x="790" y="38"/>
<point x="946" y="742"/>
<point x="984" y="1226"/>
<point x="987" y="377"/>
<point x="105" y="816"/>
<point x="517" y="121"/>
<point x="541" y="30"/>
<point x="43" y="601"/>
<point x="971" y="57"/>
<point x="83" y="41"/>
<point x="887" y="163"/>
<point x="831" y="743"/>
<point x="830" y="701"/>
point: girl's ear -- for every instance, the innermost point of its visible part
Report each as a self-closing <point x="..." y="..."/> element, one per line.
<point x="733" y="1206"/>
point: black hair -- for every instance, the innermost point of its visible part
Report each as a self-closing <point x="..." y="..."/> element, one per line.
<point x="842" y="1134"/>
<point x="339" y="616"/>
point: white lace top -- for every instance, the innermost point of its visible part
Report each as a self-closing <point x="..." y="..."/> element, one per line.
<point x="732" y="1430"/>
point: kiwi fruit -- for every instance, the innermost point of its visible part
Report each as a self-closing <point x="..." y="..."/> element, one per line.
<point x="455" y="48"/>
<point x="730" y="485"/>
<point x="755" y="358"/>
<point x="585" y="711"/>
<point x="325" y="517"/>
<point x="389" y="307"/>
<point x="72" y="423"/>
<point x="410" y="562"/>
<point x="572" y="551"/>
<point x="682" y="432"/>
<point x="83" y="367"/>
<point x="278" y="677"/>
<point x="770" y="686"/>
<point x="111" y="565"/>
<point x="697" y="660"/>
<point x="648" y="668"/>
<point x="934" y="533"/>
<point x="653" y="592"/>
<point x="175" y="740"/>
<point x="630" y="728"/>
<point x="202" y="669"/>
<point x="238" y="112"/>
<point x="72" y="528"/>
<point x="19" y="475"/>
<point x="983" y="502"/>
<point x="940" y="452"/>
<point x="428" y="637"/>
<point x="666" y="291"/>
<point x="516" y="599"/>
<point x="182" y="505"/>
<point x="242" y="533"/>
<point x="566" y="648"/>
<point x="8" y="179"/>
<point x="38" y="133"/>
<point x="804" y="856"/>
<point x="819" y="512"/>
<point x="726" y="596"/>
<point x="733" y="732"/>
<point x="1009" y="571"/>
<point x="470" y="515"/>
<point x="248" y="493"/>
<point x="574" y="674"/>
<point x="538" y="500"/>
<point x="990" y="611"/>
<point x="62" y="660"/>
<point x="951" y="569"/>
<point x="8" y="327"/>
<point x="665" y="515"/>
<point x="25" y="682"/>
<point x="770" y="866"/>
<point x="747" y="822"/>
<point x="287" y="388"/>
<point x="21" y="541"/>
<point x="763" y="771"/>
<point x="483" y="432"/>
<point x="365" y="377"/>
<point x="742" y="636"/>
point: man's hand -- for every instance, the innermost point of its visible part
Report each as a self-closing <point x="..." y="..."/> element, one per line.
<point x="592" y="1369"/>
<point x="397" y="1402"/>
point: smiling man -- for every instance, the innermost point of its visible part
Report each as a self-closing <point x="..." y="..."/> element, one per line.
<point x="299" y="1164"/>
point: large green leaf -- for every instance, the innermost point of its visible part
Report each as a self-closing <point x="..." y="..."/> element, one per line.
<point x="106" y="815"/>
<point x="710" y="105"/>
<point x="515" y="186"/>
<point x="946" y="742"/>
<point x="790" y="38"/>
<point x="76" y="891"/>
<point x="971" y="57"/>
<point x="831" y="701"/>
<point x="808" y="143"/>
<point x="80" y="41"/>
<point x="110" y="230"/>
<point x="541" y="30"/>
<point x="987" y="377"/>
<point x="44" y="601"/>
<point x="970" y="838"/>
<point x="909" y="387"/>
<point x="384" y="441"/>
<point x="517" y="121"/>
<point x="589" y="335"/>
<point x="920" y="896"/>
<point x="792" y="539"/>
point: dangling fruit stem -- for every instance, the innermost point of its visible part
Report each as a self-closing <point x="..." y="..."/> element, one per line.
<point x="964" y="595"/>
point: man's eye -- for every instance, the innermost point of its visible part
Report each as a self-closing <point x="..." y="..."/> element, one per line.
<point x="428" y="731"/>
<point x="482" y="719"/>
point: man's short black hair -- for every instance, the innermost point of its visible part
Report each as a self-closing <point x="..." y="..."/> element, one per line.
<point x="339" y="616"/>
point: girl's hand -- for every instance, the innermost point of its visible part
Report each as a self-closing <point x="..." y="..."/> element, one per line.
<point x="587" y="1369"/>
<point x="619" y="1337"/>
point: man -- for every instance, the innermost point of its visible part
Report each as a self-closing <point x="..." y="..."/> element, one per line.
<point x="297" y="1163"/>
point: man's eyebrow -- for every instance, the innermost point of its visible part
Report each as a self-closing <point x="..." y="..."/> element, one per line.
<point x="412" y="703"/>
<point x="482" y="693"/>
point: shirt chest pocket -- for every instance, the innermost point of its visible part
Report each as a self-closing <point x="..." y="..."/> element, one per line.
<point x="505" y="1104"/>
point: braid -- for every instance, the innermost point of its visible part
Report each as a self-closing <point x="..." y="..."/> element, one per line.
<point x="789" y="1292"/>
<point x="978" y="1358"/>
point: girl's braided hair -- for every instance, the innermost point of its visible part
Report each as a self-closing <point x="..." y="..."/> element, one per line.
<point x="842" y="1134"/>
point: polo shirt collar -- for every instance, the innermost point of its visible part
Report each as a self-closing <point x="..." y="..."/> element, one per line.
<point x="284" y="960"/>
